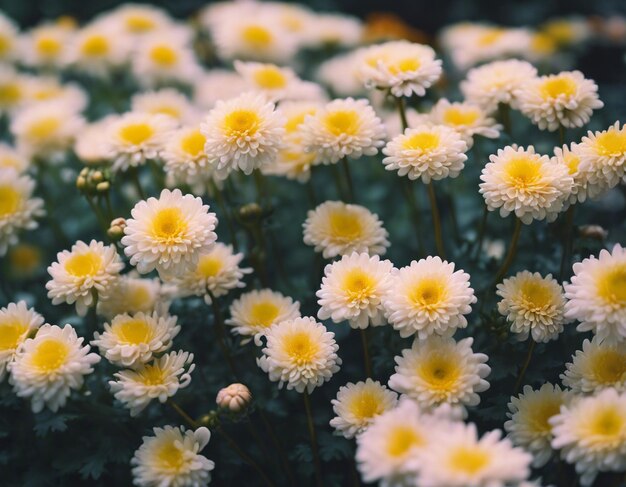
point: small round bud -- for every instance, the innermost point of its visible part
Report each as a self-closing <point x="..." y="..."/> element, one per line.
<point x="81" y="182"/>
<point x="595" y="232"/>
<point x="210" y="420"/>
<point x="235" y="397"/>
<point x="116" y="228"/>
<point x="84" y="171"/>
<point x="103" y="187"/>
<point x="250" y="212"/>
<point x="97" y="176"/>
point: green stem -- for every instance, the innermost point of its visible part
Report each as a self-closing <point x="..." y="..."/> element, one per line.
<point x="402" y="111"/>
<point x="366" y="354"/>
<point x="561" y="136"/>
<point x="348" y="178"/>
<point x="133" y="173"/>
<point x="522" y="373"/>
<point x="219" y="197"/>
<point x="504" y="112"/>
<point x="481" y="232"/>
<point x="220" y="333"/>
<point x="181" y="412"/>
<point x="261" y="187"/>
<point x="312" y="434"/>
<point x="508" y="260"/>
<point x="568" y="243"/>
<point x="436" y="220"/>
<point x="409" y="195"/>
<point x="277" y="445"/>
<point x="339" y="183"/>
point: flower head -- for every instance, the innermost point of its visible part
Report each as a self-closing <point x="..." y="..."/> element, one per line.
<point x="466" y="118"/>
<point x="166" y="101"/>
<point x="132" y="294"/>
<point x="603" y="158"/>
<point x="17" y="322"/>
<point x="570" y="157"/>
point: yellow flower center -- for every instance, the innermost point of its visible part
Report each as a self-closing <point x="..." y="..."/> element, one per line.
<point x="294" y="122"/>
<point x="491" y="37"/>
<point x="572" y="162"/>
<point x="440" y="372"/>
<point x="138" y="298"/>
<point x="608" y="366"/>
<point x="136" y="133"/>
<point x="270" y="78"/>
<point x="523" y="172"/>
<point x="170" y="110"/>
<point x="257" y="36"/>
<point x="44" y="128"/>
<point x="460" y="116"/>
<point x="24" y="257"/>
<point x="151" y="375"/>
<point x="611" y="286"/>
<point x="193" y="143"/>
<point x="95" y="46"/>
<point x="560" y="30"/>
<point x="539" y="414"/>
<point x="10" y="93"/>
<point x="241" y="123"/>
<point x="46" y="92"/>
<point x="169" y="457"/>
<point x="169" y="224"/>
<point x="344" y="225"/>
<point x="11" y="334"/>
<point x="139" y="23"/>
<point x="5" y="45"/>
<point x="300" y="347"/>
<point x="210" y="266"/>
<point x="469" y="461"/>
<point x="401" y="439"/>
<point x="263" y="314"/>
<point x="428" y="293"/>
<point x="358" y="284"/>
<point x="133" y="332"/>
<point x="298" y="161"/>
<point x="49" y="355"/>
<point x="48" y="46"/>
<point x="558" y="86"/>
<point x="343" y="122"/>
<point x="365" y="405"/>
<point x="536" y="294"/>
<point x="10" y="200"/>
<point x="543" y="44"/>
<point x="422" y="141"/>
<point x="608" y="423"/>
<point x="164" y="56"/>
<point x="9" y="161"/>
<point x="83" y="265"/>
<point x="405" y="65"/>
<point x="611" y="143"/>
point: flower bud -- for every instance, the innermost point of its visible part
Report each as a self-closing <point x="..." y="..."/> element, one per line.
<point x="81" y="182"/>
<point x="595" y="232"/>
<point x="103" y="187"/>
<point x="235" y="397"/>
<point x="116" y="228"/>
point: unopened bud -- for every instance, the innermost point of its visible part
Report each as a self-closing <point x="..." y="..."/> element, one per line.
<point x="210" y="420"/>
<point x="97" y="176"/>
<point x="81" y="182"/>
<point x="250" y="212"/>
<point x="595" y="232"/>
<point x="116" y="228"/>
<point x="103" y="187"/>
<point x="235" y="397"/>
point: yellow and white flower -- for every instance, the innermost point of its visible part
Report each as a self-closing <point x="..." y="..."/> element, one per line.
<point x="459" y="458"/>
<point x="18" y="208"/>
<point x="131" y="340"/>
<point x="167" y="101"/>
<point x="353" y="288"/>
<point x="92" y="142"/>
<point x="9" y="39"/>
<point x="159" y="379"/>
<point x="132" y="294"/>
<point x="497" y="82"/>
<point x="357" y="405"/>
<point x="569" y="156"/>
<point x="216" y="273"/>
<point x="138" y="20"/>
<point x="591" y="433"/>
<point x="17" y="322"/>
<point x="566" y="100"/>
<point x="466" y="118"/>
<point x="603" y="158"/>
<point x="12" y="90"/>
<point x="336" y="30"/>
<point x="300" y="353"/>
<point x="529" y="425"/>
<point x="427" y="152"/>
<point x="520" y="181"/>
<point x="429" y="297"/>
<point x="440" y="371"/>
<point x="40" y="89"/>
<point x="82" y="273"/>
<point x="336" y="228"/>
<point x="341" y="73"/>
<point x="169" y="233"/>
<point x="134" y="138"/>
<point x="534" y="305"/>
<point x="255" y="312"/>
<point x="45" y="46"/>
<point x="172" y="458"/>
<point x="98" y="50"/>
<point x="216" y="85"/>
<point x="343" y="128"/>
<point x="597" y="295"/>
<point x="275" y="82"/>
<point x="402" y="67"/>
<point x="49" y="366"/>
<point x="243" y="133"/>
<point x="596" y="367"/>
<point x="11" y="158"/>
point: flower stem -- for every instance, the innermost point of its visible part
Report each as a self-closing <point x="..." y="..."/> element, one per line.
<point x="522" y="373"/>
<point x="568" y="243"/>
<point x="261" y="187"/>
<point x="508" y="260"/>
<point x="481" y="232"/>
<point x="348" y="177"/>
<point x="366" y="354"/>
<point x="504" y="112"/>
<point x="339" y="183"/>
<point x="220" y="332"/>
<point x="402" y="111"/>
<point x="436" y="221"/>
<point x="316" y="458"/>
<point x="134" y="176"/>
<point x="409" y="195"/>
<point x="219" y="197"/>
<point x="181" y="412"/>
<point x="277" y="445"/>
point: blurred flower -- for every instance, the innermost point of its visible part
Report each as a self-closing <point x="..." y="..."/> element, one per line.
<point x="45" y="46"/>
<point x="9" y="40"/>
<point x="466" y="118"/>
<point x="274" y="82"/>
<point x="166" y="101"/>
<point x="17" y="322"/>
<point x="98" y="50"/>
<point x="335" y="30"/>
<point x="132" y="294"/>
<point x="569" y="156"/>
<point x="24" y="260"/>
<point x="10" y="158"/>
<point x="137" y="20"/>
<point x="216" y="85"/>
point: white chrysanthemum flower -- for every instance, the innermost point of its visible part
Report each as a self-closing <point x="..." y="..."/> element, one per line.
<point x="591" y="433"/>
<point x="357" y="405"/>
<point x="529" y="424"/>
<point x="243" y="133"/>
<point x="393" y="123"/>
<point x="292" y="162"/>
<point x="13" y="92"/>
<point x="603" y="158"/>
<point x="18" y="209"/>
<point x="566" y="100"/>
<point x="138" y="20"/>
<point x="130" y="340"/>
<point x="83" y="273"/>
<point x="216" y="85"/>
<point x="387" y="449"/>
<point x="17" y="322"/>
<point x="534" y="305"/>
<point x="164" y="57"/>
<point x="169" y="234"/>
<point x="336" y="30"/>
<point x="9" y="39"/>
<point x="11" y="158"/>
<point x="596" y="367"/>
<point x="132" y="294"/>
<point x="92" y="142"/>
<point x="597" y="295"/>
<point x="466" y="118"/>
<point x="134" y="138"/>
<point x="45" y="46"/>
<point x="46" y="130"/>
<point x="40" y="89"/>
<point x="167" y="101"/>
<point x="98" y="50"/>
<point x="300" y="353"/>
<point x="341" y="74"/>
<point x="216" y="273"/>
<point x="47" y="367"/>
<point x="159" y="379"/>
<point x="440" y="371"/>
<point x="520" y="181"/>
<point x="426" y="152"/>
<point x="336" y="228"/>
<point x="569" y="156"/>
<point x="256" y="311"/>
<point x="497" y="82"/>
<point x="353" y="288"/>
<point x="429" y="297"/>
<point x="459" y="458"/>
<point x="343" y="128"/>
<point x="402" y="67"/>
<point x="172" y="458"/>
<point x="274" y="82"/>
